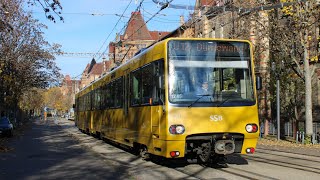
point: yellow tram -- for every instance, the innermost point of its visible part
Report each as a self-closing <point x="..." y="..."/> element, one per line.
<point x="192" y="98"/>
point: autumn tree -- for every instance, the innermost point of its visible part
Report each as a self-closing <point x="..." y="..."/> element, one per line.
<point x="293" y="50"/>
<point x="32" y="99"/>
<point x="283" y="32"/>
<point x="51" y="8"/>
<point x="26" y="58"/>
<point x="304" y="18"/>
<point x="55" y="99"/>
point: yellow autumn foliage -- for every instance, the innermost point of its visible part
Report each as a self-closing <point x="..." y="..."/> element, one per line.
<point x="289" y="10"/>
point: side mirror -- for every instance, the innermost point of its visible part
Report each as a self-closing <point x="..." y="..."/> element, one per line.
<point x="258" y="83"/>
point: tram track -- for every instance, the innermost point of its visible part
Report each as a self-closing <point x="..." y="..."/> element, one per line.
<point x="290" y="152"/>
<point x="305" y="157"/>
<point x="285" y="164"/>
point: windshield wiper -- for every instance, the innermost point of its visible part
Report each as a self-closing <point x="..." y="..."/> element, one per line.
<point x="222" y="102"/>
<point x="201" y="96"/>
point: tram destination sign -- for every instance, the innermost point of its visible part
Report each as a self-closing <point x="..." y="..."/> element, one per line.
<point x="220" y="48"/>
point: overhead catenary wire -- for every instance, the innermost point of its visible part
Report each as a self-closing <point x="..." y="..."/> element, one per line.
<point x="165" y="19"/>
<point x="114" y="27"/>
<point x="137" y="9"/>
<point x="162" y="8"/>
<point x="84" y="13"/>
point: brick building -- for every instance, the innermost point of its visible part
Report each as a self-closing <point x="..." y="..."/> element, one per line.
<point x="93" y="71"/>
<point x="136" y="37"/>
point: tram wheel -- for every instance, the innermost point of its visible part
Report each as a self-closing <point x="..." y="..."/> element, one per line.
<point x="205" y="154"/>
<point x="144" y="153"/>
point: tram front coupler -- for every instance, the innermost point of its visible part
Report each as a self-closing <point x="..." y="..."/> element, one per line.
<point x="224" y="147"/>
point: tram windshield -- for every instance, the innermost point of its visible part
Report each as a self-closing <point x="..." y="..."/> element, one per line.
<point x="210" y="73"/>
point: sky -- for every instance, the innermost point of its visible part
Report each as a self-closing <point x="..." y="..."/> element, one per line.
<point x="82" y="32"/>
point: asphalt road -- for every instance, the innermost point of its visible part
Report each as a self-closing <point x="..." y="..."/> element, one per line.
<point x="50" y="151"/>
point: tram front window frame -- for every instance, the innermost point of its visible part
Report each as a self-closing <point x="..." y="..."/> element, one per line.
<point x="224" y="65"/>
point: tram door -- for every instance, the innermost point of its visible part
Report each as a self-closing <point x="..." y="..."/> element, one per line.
<point x="157" y="110"/>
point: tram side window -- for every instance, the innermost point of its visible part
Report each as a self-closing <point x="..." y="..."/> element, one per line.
<point x="106" y="96"/>
<point x="101" y="97"/>
<point x="78" y="104"/>
<point x="147" y="84"/>
<point x="89" y="102"/>
<point x="94" y="101"/>
<point x="135" y="88"/>
<point x="97" y="98"/>
<point x="158" y="74"/>
<point x="86" y="102"/>
<point x="111" y="98"/>
<point x="81" y="103"/>
<point x="118" y="94"/>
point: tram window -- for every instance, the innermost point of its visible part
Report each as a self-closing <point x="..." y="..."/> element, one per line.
<point x="90" y="101"/>
<point x="94" y="99"/>
<point x="98" y="98"/>
<point x="107" y="96"/>
<point x="84" y="98"/>
<point x="101" y="98"/>
<point x="158" y="78"/>
<point x="118" y="95"/>
<point x="105" y="99"/>
<point x="84" y="103"/>
<point x="147" y="84"/>
<point x="135" y="88"/>
<point x="112" y="95"/>
<point x="78" y="104"/>
<point x="81" y="104"/>
<point x="87" y="98"/>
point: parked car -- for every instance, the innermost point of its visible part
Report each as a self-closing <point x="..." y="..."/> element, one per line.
<point x="6" y="127"/>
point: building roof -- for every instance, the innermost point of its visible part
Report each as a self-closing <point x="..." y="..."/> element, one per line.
<point x="97" y="69"/>
<point x="136" y="29"/>
<point x="67" y="77"/>
<point x="208" y="2"/>
<point x="156" y="35"/>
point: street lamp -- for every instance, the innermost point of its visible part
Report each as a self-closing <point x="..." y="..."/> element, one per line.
<point x="277" y="72"/>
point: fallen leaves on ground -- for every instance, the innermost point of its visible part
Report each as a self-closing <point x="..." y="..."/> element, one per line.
<point x="289" y="146"/>
<point x="18" y="132"/>
<point x="285" y="143"/>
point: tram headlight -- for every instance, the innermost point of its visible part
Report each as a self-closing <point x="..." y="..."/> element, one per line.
<point x="251" y="128"/>
<point x="176" y="129"/>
